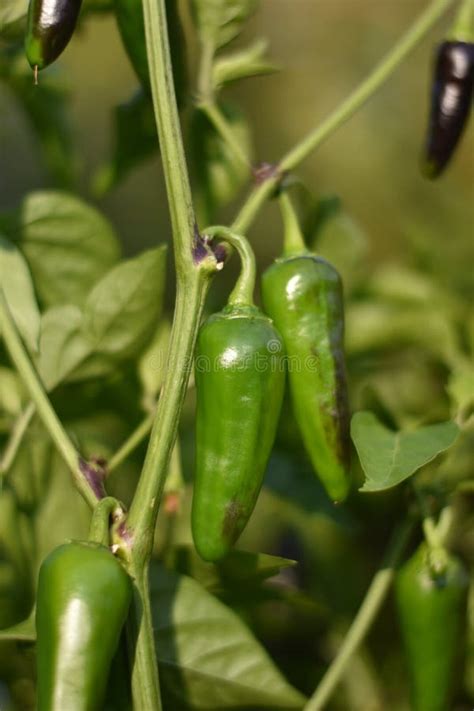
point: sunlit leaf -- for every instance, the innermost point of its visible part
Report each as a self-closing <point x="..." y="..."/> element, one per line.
<point x="69" y="245"/>
<point x="17" y="287"/>
<point x="388" y="457"/>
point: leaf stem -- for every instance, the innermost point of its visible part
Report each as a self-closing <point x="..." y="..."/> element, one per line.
<point x="220" y="123"/>
<point x="363" y="620"/>
<point x="42" y="403"/>
<point x="16" y="437"/>
<point x="344" y="111"/>
<point x="245" y="286"/>
<point x="136" y="437"/>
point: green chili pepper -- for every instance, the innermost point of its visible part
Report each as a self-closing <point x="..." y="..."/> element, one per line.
<point x="129" y="15"/>
<point x="50" y="26"/>
<point x="82" y="603"/>
<point x="303" y="295"/>
<point x="239" y="370"/>
<point x="432" y="613"/>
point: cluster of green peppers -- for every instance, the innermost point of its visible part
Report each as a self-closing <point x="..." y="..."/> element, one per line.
<point x="241" y="359"/>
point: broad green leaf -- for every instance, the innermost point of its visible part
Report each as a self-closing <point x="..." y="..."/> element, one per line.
<point x="12" y="392"/>
<point x="134" y="139"/>
<point x="69" y="245"/>
<point x="237" y="569"/>
<point x="122" y="311"/>
<point x="63" y="346"/>
<point x="219" y="21"/>
<point x="218" y="174"/>
<point x="388" y="457"/>
<point x="249" y="62"/>
<point x="12" y="11"/>
<point x="17" y="286"/>
<point x="65" y="353"/>
<point x="208" y="658"/>
<point x="24" y="631"/>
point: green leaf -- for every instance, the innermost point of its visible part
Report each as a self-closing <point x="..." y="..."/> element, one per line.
<point x="17" y="286"/>
<point x="24" y="631"/>
<point x="249" y="62"/>
<point x="63" y="346"/>
<point x="134" y="139"/>
<point x="220" y="21"/>
<point x="68" y="244"/>
<point x="13" y="394"/>
<point x="12" y="11"/>
<point x="122" y="311"/>
<point x="237" y="569"/>
<point x="388" y="457"/>
<point x="218" y="174"/>
<point x="208" y="658"/>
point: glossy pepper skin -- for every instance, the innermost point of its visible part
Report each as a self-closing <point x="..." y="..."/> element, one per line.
<point x="50" y="26"/>
<point x="303" y="295"/>
<point x="240" y="378"/>
<point x="129" y="15"/>
<point x="451" y="98"/>
<point x="432" y="615"/>
<point x="83" y="598"/>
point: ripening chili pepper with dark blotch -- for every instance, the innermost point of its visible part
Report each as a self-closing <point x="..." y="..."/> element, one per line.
<point x="240" y="379"/>
<point x="303" y="294"/>
<point x="50" y="26"/>
<point x="450" y="104"/>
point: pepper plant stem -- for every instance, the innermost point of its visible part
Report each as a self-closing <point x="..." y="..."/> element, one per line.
<point x="343" y="112"/>
<point x="363" y="620"/>
<point x="220" y="123"/>
<point x="42" y="403"/>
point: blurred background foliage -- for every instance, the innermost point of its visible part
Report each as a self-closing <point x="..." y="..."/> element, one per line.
<point x="405" y="249"/>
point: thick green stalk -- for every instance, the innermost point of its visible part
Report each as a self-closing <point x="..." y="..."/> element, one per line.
<point x="363" y="620"/>
<point x="343" y="112"/>
<point x="169" y="132"/>
<point x="45" y="410"/>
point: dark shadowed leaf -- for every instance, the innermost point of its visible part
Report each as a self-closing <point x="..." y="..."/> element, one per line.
<point x="208" y="658"/>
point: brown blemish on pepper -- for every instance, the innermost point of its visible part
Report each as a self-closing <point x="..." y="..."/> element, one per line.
<point x="234" y="513"/>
